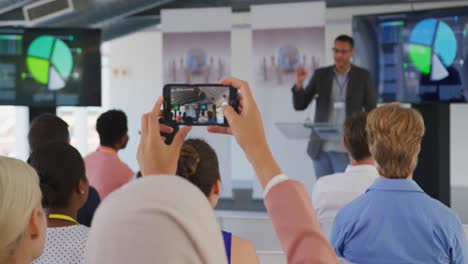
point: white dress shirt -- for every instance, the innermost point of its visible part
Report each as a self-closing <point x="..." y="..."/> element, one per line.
<point x="332" y="192"/>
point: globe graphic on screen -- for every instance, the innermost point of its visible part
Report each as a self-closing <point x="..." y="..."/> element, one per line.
<point x="196" y="60"/>
<point x="49" y="61"/>
<point x="288" y="58"/>
<point x="432" y="48"/>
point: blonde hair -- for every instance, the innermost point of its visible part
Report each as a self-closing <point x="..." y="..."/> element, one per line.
<point x="19" y="196"/>
<point x="395" y="135"/>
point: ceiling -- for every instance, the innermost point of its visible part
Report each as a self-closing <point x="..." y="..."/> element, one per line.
<point x="117" y="18"/>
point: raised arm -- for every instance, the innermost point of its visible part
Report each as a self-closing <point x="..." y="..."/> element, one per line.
<point x="296" y="224"/>
<point x="302" y="97"/>
<point x="287" y="201"/>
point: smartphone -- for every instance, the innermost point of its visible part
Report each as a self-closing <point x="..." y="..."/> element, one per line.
<point x="198" y="104"/>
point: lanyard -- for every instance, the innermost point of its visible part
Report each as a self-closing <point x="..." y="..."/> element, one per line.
<point x="342" y="85"/>
<point x="63" y="217"/>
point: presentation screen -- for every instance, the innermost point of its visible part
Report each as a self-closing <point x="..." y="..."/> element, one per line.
<point x="50" y="67"/>
<point x="415" y="56"/>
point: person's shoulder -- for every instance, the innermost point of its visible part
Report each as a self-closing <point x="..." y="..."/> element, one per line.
<point x="444" y="213"/>
<point x="332" y="177"/>
<point x="446" y="222"/>
<point x="243" y="244"/>
<point x="75" y="232"/>
<point x="360" y="70"/>
<point x="93" y="192"/>
<point x="80" y="229"/>
<point x="244" y="249"/>
<point x="126" y="170"/>
<point x="353" y="208"/>
<point x="323" y="70"/>
<point x="328" y="180"/>
<point x="90" y="155"/>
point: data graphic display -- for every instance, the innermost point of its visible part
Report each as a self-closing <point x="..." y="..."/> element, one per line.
<point x="50" y="67"/>
<point x="416" y="56"/>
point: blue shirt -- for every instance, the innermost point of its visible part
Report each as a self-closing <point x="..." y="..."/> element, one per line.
<point x="396" y="222"/>
<point x="227" y="237"/>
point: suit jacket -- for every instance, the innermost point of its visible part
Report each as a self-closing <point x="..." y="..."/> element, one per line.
<point x="360" y="95"/>
<point x="296" y="224"/>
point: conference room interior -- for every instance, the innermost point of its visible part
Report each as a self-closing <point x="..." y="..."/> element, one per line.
<point x="137" y="47"/>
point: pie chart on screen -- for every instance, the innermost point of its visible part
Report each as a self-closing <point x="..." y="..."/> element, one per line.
<point x="432" y="48"/>
<point x="50" y="62"/>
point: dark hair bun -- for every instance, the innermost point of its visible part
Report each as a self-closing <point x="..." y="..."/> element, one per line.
<point x="189" y="160"/>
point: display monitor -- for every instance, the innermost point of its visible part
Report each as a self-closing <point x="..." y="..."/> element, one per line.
<point x="415" y="56"/>
<point x="50" y="67"/>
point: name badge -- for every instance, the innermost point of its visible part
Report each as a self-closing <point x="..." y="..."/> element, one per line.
<point x="339" y="105"/>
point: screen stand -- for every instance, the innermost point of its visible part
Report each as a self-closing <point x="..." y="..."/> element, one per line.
<point x="433" y="170"/>
<point x="35" y="111"/>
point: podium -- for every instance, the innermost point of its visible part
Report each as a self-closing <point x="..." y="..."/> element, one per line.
<point x="303" y="130"/>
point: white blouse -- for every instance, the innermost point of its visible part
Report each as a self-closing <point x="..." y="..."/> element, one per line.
<point x="64" y="245"/>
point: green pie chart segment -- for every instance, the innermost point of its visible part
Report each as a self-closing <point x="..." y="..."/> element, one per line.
<point x="50" y="62"/>
<point x="40" y="70"/>
<point x="421" y="57"/>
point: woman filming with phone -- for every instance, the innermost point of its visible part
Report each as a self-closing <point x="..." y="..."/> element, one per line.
<point x="164" y="226"/>
<point x="198" y="163"/>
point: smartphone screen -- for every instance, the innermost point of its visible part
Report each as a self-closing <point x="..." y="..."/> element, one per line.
<point x="198" y="104"/>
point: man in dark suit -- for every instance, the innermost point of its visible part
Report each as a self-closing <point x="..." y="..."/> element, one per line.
<point x="340" y="90"/>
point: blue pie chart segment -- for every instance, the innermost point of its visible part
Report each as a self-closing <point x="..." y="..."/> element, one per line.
<point x="423" y="32"/>
<point x="438" y="41"/>
<point x="445" y="44"/>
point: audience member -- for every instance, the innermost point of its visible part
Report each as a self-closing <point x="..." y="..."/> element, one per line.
<point x="198" y="163"/>
<point x="333" y="192"/>
<point x="395" y="221"/>
<point x="203" y="119"/>
<point x="211" y="119"/>
<point x="183" y="217"/>
<point x="65" y="189"/>
<point x="191" y="112"/>
<point x="22" y="220"/>
<point x="45" y="129"/>
<point x="48" y="128"/>
<point x="104" y="169"/>
<point x="156" y="219"/>
<point x="178" y="117"/>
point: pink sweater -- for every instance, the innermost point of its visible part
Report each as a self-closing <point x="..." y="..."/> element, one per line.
<point x="105" y="171"/>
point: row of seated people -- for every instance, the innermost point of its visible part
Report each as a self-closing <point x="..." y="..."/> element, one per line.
<point x="165" y="219"/>
<point x="49" y="134"/>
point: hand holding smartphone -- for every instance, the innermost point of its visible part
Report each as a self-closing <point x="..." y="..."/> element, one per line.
<point x="198" y="104"/>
